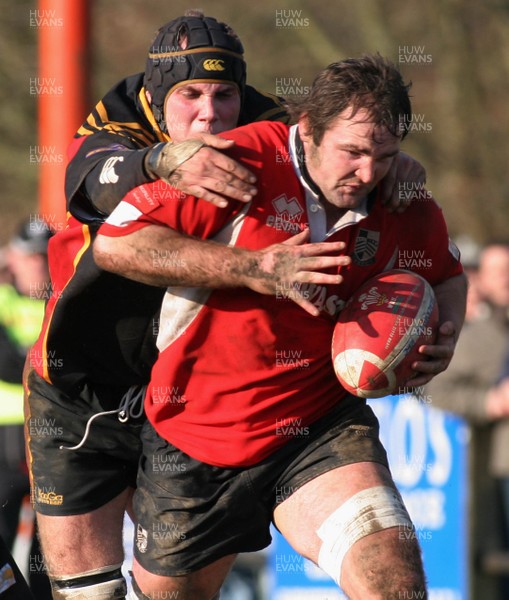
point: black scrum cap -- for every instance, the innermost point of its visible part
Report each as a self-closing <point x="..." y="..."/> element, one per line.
<point x="212" y="54"/>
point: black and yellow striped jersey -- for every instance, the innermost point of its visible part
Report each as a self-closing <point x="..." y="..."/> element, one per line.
<point x="121" y="129"/>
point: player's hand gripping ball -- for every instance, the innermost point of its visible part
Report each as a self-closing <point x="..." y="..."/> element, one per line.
<point x="378" y="334"/>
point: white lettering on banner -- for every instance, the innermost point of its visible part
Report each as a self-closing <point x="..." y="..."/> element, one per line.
<point x="420" y="455"/>
<point x="426" y="508"/>
<point x="416" y="441"/>
<point x="440" y="443"/>
<point x="408" y="428"/>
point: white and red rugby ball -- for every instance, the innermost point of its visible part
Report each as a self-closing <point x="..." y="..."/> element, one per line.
<point x="378" y="333"/>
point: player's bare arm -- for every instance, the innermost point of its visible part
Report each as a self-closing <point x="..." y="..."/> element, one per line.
<point x="405" y="175"/>
<point x="204" y="263"/>
<point x="451" y="299"/>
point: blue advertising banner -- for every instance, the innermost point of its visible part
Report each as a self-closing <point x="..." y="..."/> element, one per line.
<point x="427" y="451"/>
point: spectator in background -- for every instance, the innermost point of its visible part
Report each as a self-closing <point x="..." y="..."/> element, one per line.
<point x="468" y="385"/>
<point x="21" y="311"/>
<point x="476" y="387"/>
<point x="494" y="285"/>
<point x="499" y="407"/>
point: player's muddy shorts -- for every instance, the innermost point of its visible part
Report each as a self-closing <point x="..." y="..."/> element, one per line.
<point x="190" y="514"/>
<point x="71" y="482"/>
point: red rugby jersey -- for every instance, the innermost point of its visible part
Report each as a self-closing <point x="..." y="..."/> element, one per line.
<point x="239" y="374"/>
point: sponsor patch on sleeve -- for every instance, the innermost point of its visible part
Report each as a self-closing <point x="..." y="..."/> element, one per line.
<point x="143" y="198"/>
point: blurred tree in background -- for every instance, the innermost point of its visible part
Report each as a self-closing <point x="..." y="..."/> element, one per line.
<point x="456" y="53"/>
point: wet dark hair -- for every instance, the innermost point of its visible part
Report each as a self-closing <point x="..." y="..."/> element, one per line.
<point x="370" y="82"/>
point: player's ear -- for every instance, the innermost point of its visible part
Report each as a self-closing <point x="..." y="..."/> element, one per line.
<point x="305" y="131"/>
<point x="148" y="96"/>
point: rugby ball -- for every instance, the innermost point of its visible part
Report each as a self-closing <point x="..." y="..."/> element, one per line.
<point x="379" y="331"/>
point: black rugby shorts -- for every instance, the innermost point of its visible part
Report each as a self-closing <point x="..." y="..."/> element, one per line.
<point x="189" y="514"/>
<point x="71" y="482"/>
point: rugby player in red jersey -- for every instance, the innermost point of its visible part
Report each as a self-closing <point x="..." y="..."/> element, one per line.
<point x="222" y="404"/>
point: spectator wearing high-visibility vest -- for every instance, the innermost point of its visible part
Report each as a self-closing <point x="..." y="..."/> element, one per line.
<point x="22" y="303"/>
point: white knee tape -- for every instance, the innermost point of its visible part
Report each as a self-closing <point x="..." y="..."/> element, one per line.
<point x="368" y="511"/>
<point x="106" y="583"/>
